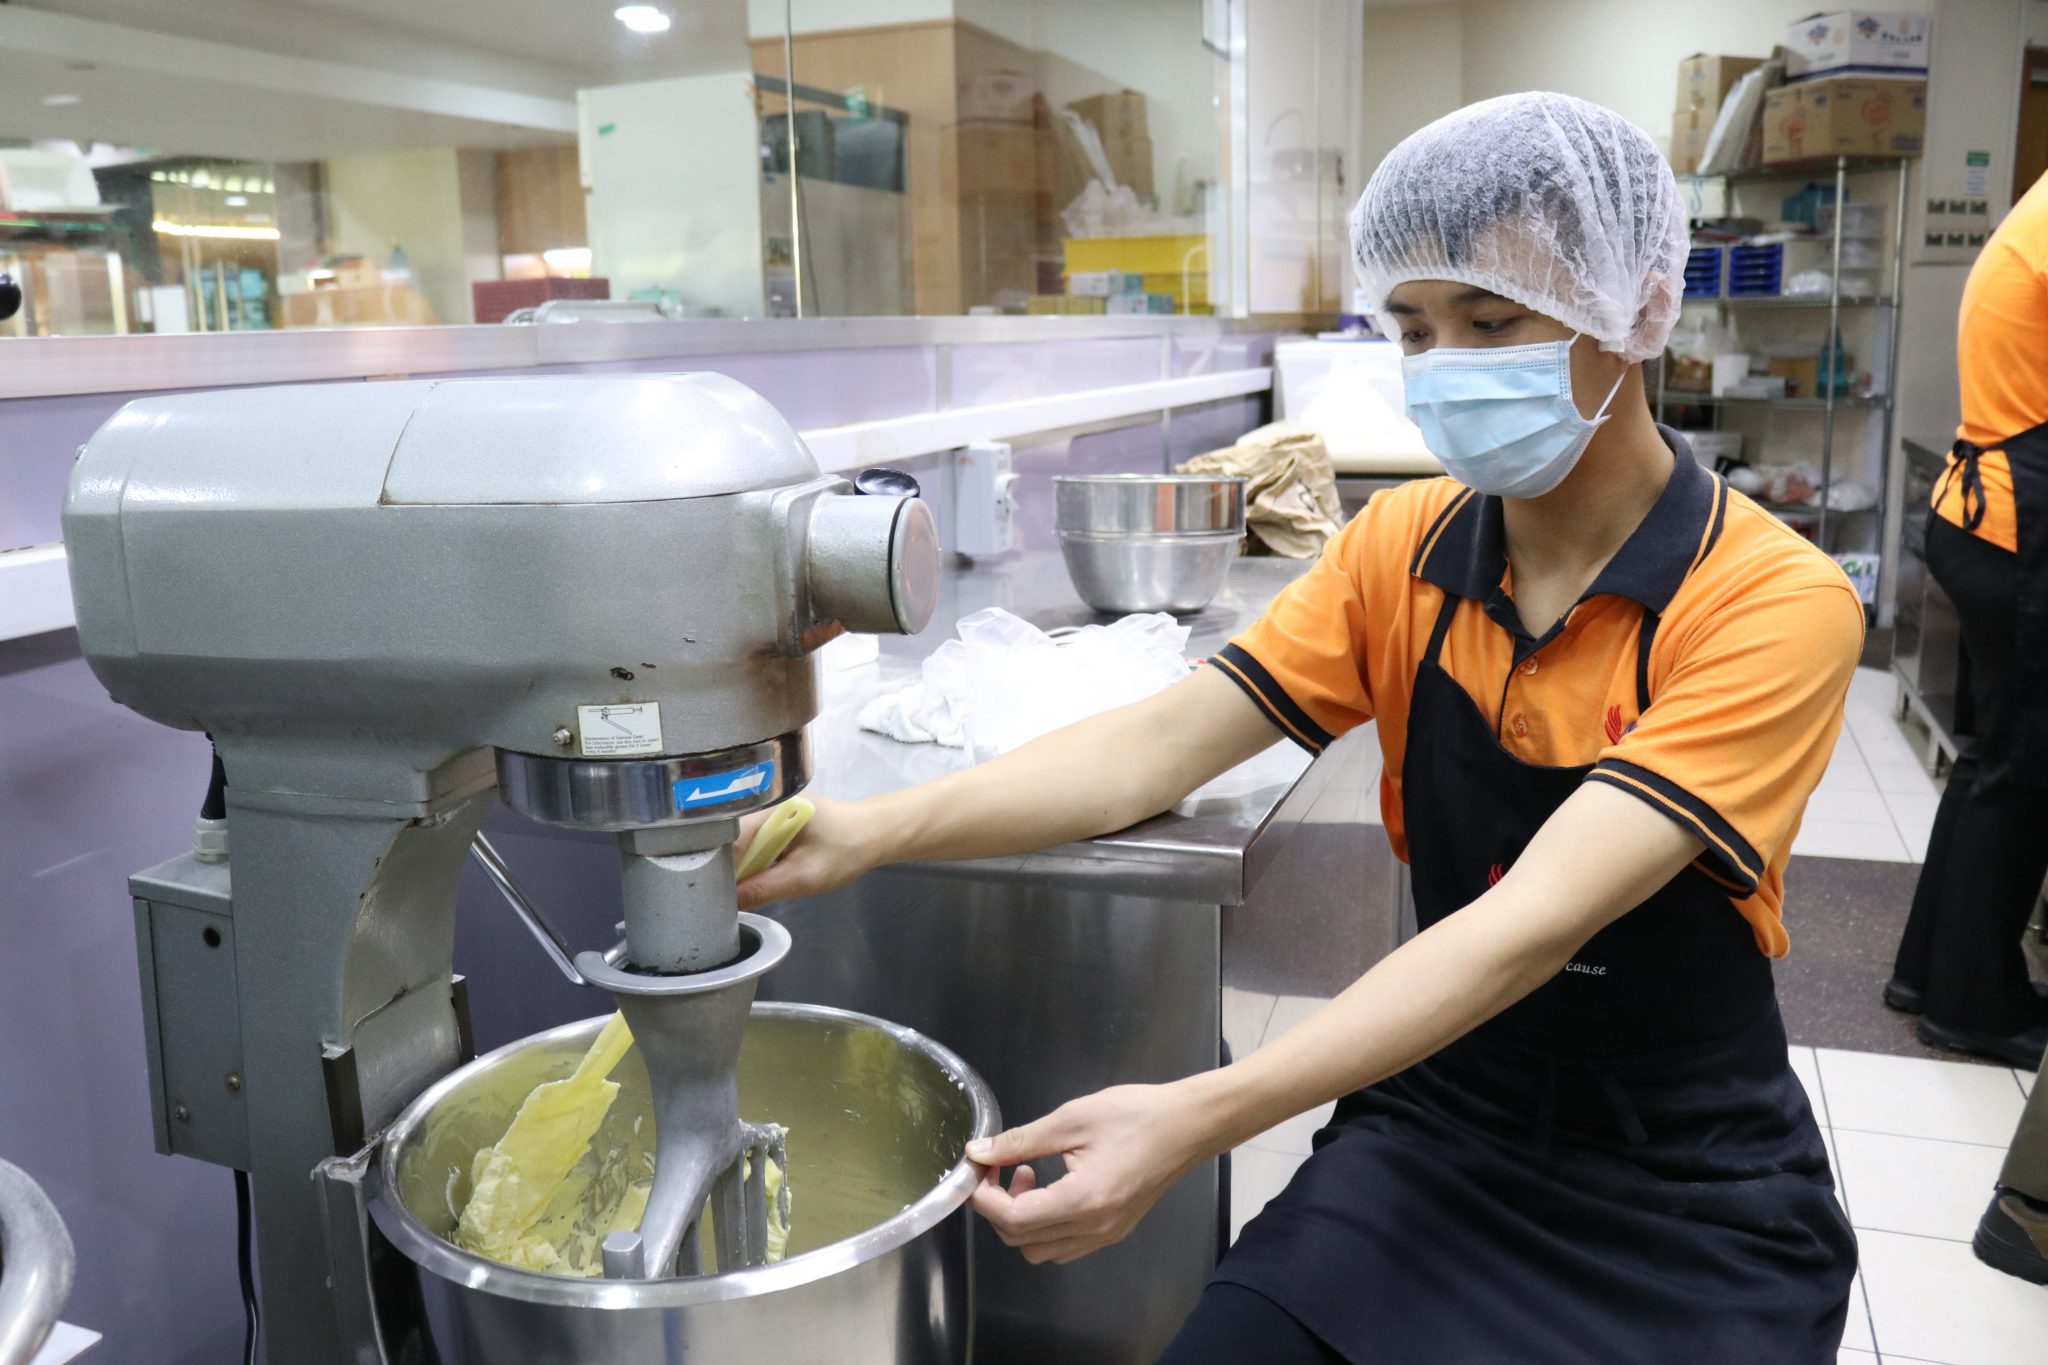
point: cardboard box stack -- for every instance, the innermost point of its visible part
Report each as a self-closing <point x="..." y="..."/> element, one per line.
<point x="1126" y="140"/>
<point x="1844" y="116"/>
<point x="1857" y="42"/>
<point x="1704" y="81"/>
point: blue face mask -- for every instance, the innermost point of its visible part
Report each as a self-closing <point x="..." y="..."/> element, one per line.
<point x="1502" y="419"/>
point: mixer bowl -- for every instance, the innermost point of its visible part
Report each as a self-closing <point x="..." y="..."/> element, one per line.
<point x="1148" y="542"/>
<point x="879" y="1263"/>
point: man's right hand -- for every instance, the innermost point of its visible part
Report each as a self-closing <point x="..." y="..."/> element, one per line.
<point x="841" y="841"/>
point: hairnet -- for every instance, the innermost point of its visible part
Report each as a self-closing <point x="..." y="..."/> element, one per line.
<point x="1559" y="204"/>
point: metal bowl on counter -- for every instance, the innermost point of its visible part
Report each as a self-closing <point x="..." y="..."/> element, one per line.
<point x="1148" y="542"/>
<point x="878" y="1265"/>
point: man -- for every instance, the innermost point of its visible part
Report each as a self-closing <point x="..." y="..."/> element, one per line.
<point x="1605" y="686"/>
<point x="1960" y="966"/>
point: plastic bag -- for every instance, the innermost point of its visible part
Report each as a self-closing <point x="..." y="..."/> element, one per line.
<point x="1004" y="682"/>
<point x="1019" y="682"/>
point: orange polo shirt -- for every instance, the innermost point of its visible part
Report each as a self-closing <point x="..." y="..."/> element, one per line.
<point x="2002" y="360"/>
<point x="1759" y="635"/>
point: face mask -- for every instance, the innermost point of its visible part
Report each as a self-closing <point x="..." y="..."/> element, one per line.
<point x="1502" y="420"/>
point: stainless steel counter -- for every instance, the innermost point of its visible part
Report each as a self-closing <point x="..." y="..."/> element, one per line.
<point x="1927" y="640"/>
<point x="1211" y="848"/>
<point x="1098" y="963"/>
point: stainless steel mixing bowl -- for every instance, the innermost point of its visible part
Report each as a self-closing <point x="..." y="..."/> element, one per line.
<point x="879" y="1262"/>
<point x="1148" y="542"/>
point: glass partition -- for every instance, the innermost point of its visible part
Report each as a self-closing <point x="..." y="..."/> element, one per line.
<point x="249" y="165"/>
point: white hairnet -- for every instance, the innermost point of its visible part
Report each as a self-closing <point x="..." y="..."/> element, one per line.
<point x="1557" y="203"/>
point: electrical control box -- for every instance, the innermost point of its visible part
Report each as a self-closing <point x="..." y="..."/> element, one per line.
<point x="985" y="506"/>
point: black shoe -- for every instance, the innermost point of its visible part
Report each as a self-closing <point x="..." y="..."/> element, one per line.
<point x="2013" y="1236"/>
<point x="1902" y="997"/>
<point x="2022" y="1050"/>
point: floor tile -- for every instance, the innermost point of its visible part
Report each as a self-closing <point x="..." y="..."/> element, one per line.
<point x="1870" y="840"/>
<point x="1807" y="1068"/>
<point x="1933" y="1300"/>
<point x="1882" y="743"/>
<point x="1850" y="1356"/>
<point x="1856" y="1331"/>
<point x="1907" y="777"/>
<point x="2026" y="1080"/>
<point x="1255" y="1177"/>
<point x="1916" y="846"/>
<point x="1244" y="1019"/>
<point x="1846" y="770"/>
<point x="1912" y="814"/>
<point x="1289" y="1011"/>
<point x="1916" y="1185"/>
<point x="1292" y="1137"/>
<point x="1857" y="806"/>
<point x="1917" y="1097"/>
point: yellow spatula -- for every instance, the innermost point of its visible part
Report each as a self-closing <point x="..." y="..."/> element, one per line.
<point x="782" y="826"/>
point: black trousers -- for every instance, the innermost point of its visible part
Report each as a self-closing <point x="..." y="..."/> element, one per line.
<point x="1232" y="1325"/>
<point x="1988" y="851"/>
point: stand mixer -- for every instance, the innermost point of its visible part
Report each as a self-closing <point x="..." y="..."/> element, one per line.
<point x="596" y="595"/>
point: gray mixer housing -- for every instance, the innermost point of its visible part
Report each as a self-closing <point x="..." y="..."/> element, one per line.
<point x="378" y="598"/>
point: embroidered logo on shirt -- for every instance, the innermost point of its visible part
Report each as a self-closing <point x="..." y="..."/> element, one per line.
<point x="1494" y="874"/>
<point x="1615" y="729"/>
<point x="1585" y="969"/>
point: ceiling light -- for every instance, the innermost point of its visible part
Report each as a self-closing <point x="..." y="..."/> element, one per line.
<point x="59" y="101"/>
<point x="642" y="18"/>
<point x="224" y="230"/>
<point x="236" y="201"/>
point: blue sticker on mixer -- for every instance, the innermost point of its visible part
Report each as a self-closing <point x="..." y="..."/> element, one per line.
<point x="718" y="789"/>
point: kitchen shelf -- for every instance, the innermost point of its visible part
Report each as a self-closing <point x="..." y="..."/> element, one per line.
<point x="1853" y="165"/>
<point x="1679" y="398"/>
<point x="1778" y="301"/>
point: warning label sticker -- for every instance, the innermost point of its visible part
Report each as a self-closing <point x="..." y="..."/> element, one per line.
<point x="622" y="730"/>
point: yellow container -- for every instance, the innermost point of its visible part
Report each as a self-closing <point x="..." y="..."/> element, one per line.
<point x="1176" y="265"/>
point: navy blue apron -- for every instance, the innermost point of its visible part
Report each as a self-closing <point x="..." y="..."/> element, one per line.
<point x="2026" y="454"/>
<point x="1619" y="1167"/>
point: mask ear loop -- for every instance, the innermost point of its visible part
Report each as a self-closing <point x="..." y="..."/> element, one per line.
<point x="1600" y="413"/>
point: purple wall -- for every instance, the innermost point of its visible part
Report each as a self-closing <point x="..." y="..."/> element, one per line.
<point x="90" y="792"/>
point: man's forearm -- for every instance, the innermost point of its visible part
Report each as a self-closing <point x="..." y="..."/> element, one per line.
<point x="1432" y="990"/>
<point x="1598" y="857"/>
<point x="1101" y="774"/>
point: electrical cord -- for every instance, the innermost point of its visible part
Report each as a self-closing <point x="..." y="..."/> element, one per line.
<point x="245" y="1262"/>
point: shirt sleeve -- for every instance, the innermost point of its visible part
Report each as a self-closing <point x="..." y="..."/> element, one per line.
<point x="1303" y="663"/>
<point x="1740" y="730"/>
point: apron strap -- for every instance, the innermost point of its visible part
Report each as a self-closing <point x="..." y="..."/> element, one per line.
<point x="1963" y="466"/>
<point x="1442" y="627"/>
<point x="1643" y="639"/>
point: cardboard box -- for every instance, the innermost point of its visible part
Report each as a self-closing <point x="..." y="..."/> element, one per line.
<point x="1119" y="119"/>
<point x="996" y="97"/>
<point x="1844" y="116"/>
<point x="1704" y="81"/>
<point x="1800" y="373"/>
<point x="1105" y="283"/>
<point x="1689" y="129"/>
<point x="1064" y="304"/>
<point x="1883" y="43"/>
<point x="1115" y="116"/>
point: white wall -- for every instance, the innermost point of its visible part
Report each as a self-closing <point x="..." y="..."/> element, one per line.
<point x="675" y="197"/>
<point x="1621" y="53"/>
<point x="411" y="200"/>
<point x="1414" y="72"/>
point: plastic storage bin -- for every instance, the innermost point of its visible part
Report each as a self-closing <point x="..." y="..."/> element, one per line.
<point x="1703" y="272"/>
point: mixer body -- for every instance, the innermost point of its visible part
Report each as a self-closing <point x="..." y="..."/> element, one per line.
<point x="596" y="596"/>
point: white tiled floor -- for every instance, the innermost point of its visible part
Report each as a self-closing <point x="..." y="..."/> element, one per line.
<point x="1876" y="800"/>
<point x="1916" y="1146"/>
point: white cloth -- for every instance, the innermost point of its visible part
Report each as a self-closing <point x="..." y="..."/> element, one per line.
<point x="1557" y="203"/>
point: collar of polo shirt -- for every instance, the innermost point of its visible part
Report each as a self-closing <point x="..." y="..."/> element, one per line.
<point x="1468" y="556"/>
